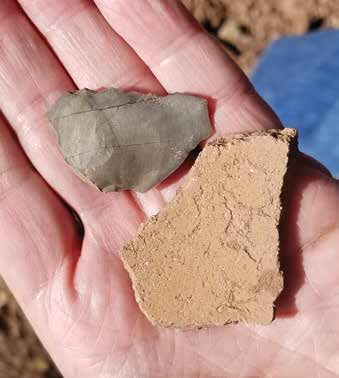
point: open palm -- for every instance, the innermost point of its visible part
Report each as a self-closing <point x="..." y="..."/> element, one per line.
<point x="75" y="292"/>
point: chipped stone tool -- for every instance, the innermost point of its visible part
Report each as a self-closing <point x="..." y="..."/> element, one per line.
<point x="120" y="140"/>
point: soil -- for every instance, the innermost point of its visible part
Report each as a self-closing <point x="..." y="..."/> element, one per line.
<point x="245" y="28"/>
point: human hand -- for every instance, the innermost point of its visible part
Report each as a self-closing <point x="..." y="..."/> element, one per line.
<point x="76" y="292"/>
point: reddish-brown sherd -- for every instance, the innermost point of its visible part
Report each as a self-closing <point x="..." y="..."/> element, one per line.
<point x="211" y="256"/>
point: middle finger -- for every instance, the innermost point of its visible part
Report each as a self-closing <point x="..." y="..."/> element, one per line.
<point x="95" y="56"/>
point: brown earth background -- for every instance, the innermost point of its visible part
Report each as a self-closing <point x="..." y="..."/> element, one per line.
<point x="245" y="28"/>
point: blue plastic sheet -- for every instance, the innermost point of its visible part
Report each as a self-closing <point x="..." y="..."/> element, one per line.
<point x="299" y="78"/>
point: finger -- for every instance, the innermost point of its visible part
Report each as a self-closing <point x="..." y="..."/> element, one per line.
<point x="312" y="211"/>
<point x="37" y="234"/>
<point x="185" y="59"/>
<point x="31" y="78"/>
<point x="93" y="54"/>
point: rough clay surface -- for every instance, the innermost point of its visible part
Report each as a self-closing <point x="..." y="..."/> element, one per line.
<point x="211" y="256"/>
<point x="126" y="140"/>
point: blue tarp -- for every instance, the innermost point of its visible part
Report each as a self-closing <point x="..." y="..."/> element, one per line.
<point x="299" y="78"/>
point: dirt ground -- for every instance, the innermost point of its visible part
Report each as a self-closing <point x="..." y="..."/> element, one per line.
<point x="245" y="27"/>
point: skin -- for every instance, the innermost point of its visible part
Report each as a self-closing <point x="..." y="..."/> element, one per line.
<point x="74" y="290"/>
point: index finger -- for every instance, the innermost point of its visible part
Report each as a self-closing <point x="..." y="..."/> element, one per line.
<point x="186" y="59"/>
